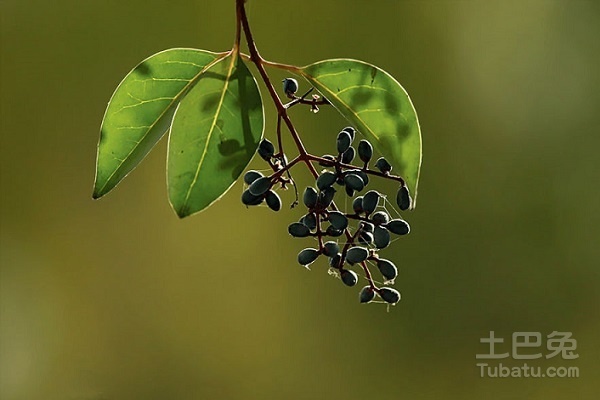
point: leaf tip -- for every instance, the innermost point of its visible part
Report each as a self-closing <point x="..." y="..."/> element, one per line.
<point x="182" y="212"/>
<point x="97" y="194"/>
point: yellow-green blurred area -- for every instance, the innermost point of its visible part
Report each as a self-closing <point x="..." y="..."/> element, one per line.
<point x="119" y="299"/>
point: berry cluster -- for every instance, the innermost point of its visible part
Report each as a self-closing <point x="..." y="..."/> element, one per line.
<point x="374" y="227"/>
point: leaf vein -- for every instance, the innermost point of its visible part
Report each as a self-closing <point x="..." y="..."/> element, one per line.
<point x="323" y="87"/>
<point x="210" y="132"/>
<point x="202" y="70"/>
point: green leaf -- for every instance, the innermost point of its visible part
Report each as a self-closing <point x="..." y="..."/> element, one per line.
<point x="375" y="103"/>
<point x="141" y="109"/>
<point x="215" y="133"/>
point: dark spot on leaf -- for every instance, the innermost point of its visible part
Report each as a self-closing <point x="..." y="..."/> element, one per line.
<point x="143" y="68"/>
<point x="229" y="147"/>
<point x="361" y="97"/>
<point x="373" y="73"/>
<point x="210" y="102"/>
<point x="392" y="104"/>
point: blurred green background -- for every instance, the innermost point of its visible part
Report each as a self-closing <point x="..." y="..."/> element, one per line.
<point x="119" y="299"/>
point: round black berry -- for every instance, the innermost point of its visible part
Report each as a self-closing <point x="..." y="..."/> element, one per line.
<point x="387" y="269"/>
<point x="297" y="229"/>
<point x="389" y="295"/>
<point x="357" y="254"/>
<point x="398" y="226"/>
<point x="365" y="151"/>
<point x="266" y="149"/>
<point x="251" y="200"/>
<point x="349" y="277"/>
<point x="343" y="141"/>
<point x="338" y="220"/>
<point x="403" y="198"/>
<point x="335" y="261"/>
<point x="383" y="165"/>
<point x="366" y="295"/>
<point x="307" y="256"/>
<point x="325" y="180"/>
<point x="331" y="249"/>
<point x="331" y="231"/>
<point x="365" y="238"/>
<point x="329" y="158"/>
<point x="273" y="200"/>
<point x="381" y="237"/>
<point x="310" y="220"/>
<point x="380" y="217"/>
<point x="326" y="197"/>
<point x="251" y="176"/>
<point x="348" y="155"/>
<point x="310" y="197"/>
<point x="370" y="201"/>
<point x="290" y="86"/>
<point x="354" y="182"/>
<point x="350" y="130"/>
<point x="260" y="186"/>
<point x="357" y="205"/>
<point x="366" y="226"/>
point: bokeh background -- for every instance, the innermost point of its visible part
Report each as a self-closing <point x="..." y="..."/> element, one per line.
<point x="119" y="299"/>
